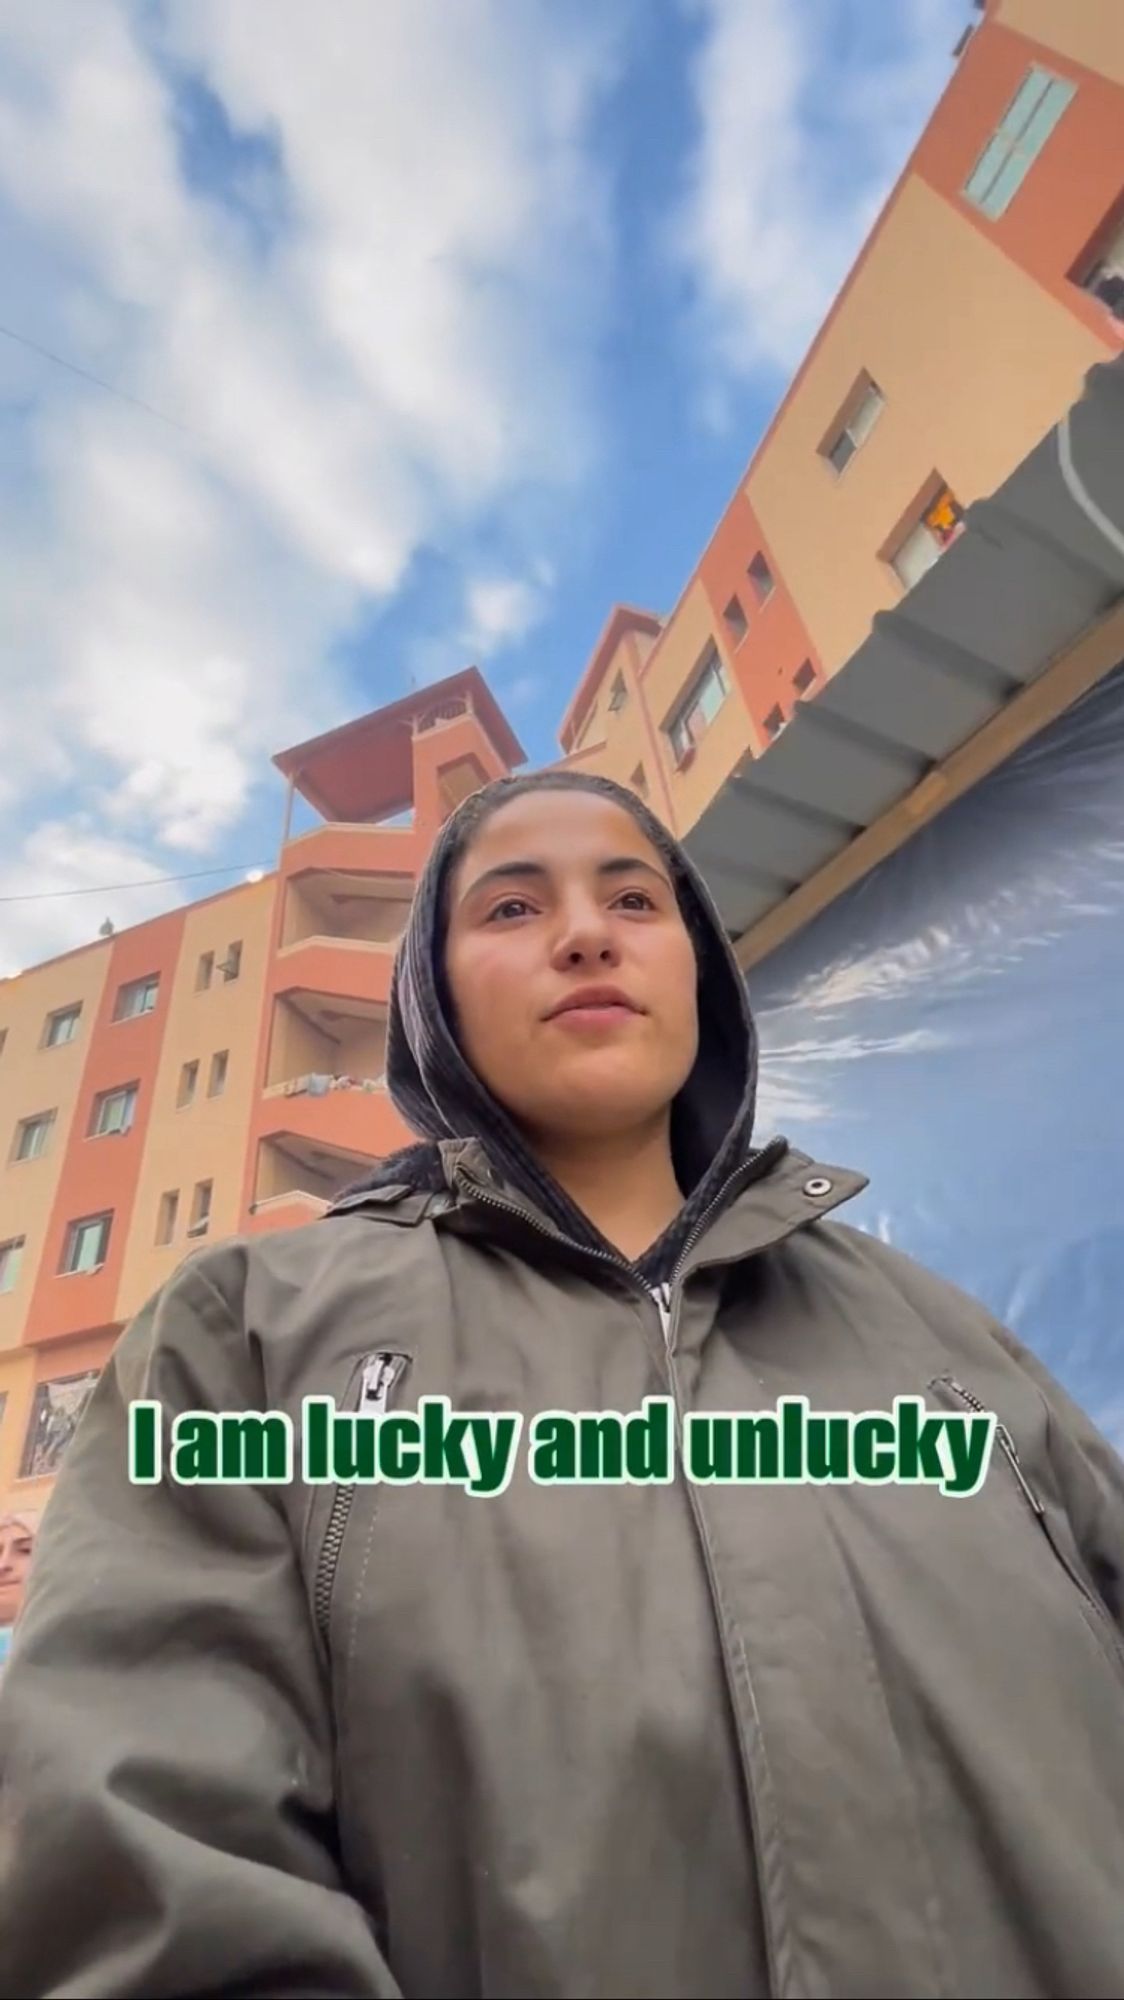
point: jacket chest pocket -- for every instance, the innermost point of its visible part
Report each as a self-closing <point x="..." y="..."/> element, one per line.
<point x="345" y="1441"/>
<point x="1023" y="1492"/>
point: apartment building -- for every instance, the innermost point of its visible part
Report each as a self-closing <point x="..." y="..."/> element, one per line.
<point x="992" y="281"/>
<point x="219" y="1069"/>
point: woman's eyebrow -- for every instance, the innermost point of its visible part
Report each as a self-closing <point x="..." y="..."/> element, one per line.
<point x="508" y="871"/>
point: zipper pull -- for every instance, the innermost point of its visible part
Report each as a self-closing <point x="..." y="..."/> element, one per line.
<point x="662" y="1297"/>
<point x="379" y="1376"/>
<point x="1007" y="1446"/>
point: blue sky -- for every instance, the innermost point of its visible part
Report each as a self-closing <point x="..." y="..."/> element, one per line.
<point x="444" y="328"/>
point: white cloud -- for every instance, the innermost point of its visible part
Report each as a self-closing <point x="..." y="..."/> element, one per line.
<point x="500" y="609"/>
<point x="804" y="123"/>
<point x="401" y="350"/>
<point x="60" y="858"/>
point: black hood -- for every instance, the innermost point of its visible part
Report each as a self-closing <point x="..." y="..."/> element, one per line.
<point x="442" y="1098"/>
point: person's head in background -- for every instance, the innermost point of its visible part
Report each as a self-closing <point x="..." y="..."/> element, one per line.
<point x="563" y="888"/>
<point x="17" y="1546"/>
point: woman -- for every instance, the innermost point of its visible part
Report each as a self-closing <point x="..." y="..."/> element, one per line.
<point x="661" y="1739"/>
<point x="17" y="1540"/>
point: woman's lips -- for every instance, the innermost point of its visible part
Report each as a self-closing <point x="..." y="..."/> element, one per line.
<point x="599" y="1015"/>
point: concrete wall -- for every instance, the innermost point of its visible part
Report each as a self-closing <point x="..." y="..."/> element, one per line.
<point x="205" y="1140"/>
<point x="975" y="360"/>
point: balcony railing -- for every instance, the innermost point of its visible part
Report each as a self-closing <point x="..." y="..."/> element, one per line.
<point x="315" y="1203"/>
<point x="318" y="1083"/>
<point x="453" y="710"/>
<point x="336" y="941"/>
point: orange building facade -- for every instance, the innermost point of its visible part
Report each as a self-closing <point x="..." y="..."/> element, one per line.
<point x="220" y="1069"/>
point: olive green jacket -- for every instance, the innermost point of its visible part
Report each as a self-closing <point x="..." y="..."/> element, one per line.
<point x="666" y="1739"/>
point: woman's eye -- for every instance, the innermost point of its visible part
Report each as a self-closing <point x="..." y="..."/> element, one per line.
<point x="509" y="903"/>
<point x="639" y="896"/>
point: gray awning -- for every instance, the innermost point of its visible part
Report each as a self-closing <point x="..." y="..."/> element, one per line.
<point x="1037" y="565"/>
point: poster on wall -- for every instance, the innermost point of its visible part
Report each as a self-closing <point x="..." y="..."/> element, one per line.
<point x="55" y="1416"/>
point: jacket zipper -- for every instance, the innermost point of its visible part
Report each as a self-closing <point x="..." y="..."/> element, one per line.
<point x="664" y="1299"/>
<point x="662" y="1295"/>
<point x="379" y="1375"/>
<point x="1007" y="1446"/>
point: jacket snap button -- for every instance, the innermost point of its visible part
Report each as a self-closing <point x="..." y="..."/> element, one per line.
<point x="817" y="1186"/>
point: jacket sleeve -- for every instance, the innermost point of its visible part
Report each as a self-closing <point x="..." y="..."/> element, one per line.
<point x="1088" y="1473"/>
<point x="166" y="1812"/>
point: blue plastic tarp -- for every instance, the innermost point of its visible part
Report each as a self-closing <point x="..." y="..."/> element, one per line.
<point x="952" y="1027"/>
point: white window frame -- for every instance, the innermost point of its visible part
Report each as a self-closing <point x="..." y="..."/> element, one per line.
<point x="147" y="991"/>
<point x="866" y="406"/>
<point x="926" y="539"/>
<point x="100" y="1130"/>
<point x="1020" y="136"/>
<point x="710" y="673"/>
<point x="169" y="1206"/>
<point x="39" y="1120"/>
<point x="57" y="1014"/>
<point x="738" y="625"/>
<point x="11" y="1258"/>
<point x="74" y="1231"/>
<point x="761" y="594"/>
<point x="202" y="1201"/>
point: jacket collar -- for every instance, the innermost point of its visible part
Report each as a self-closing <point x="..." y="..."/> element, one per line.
<point x="777" y="1191"/>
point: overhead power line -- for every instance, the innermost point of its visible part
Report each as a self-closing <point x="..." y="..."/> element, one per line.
<point x="86" y="375"/>
<point x="113" y="888"/>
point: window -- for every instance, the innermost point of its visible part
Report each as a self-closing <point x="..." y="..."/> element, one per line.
<point x="200" y="1208"/>
<point x="737" y="624"/>
<point x="774" y="722"/>
<point x="32" y="1135"/>
<point x="639" y="781"/>
<point x="864" y="411"/>
<point x="1011" y="152"/>
<point x="189" y="1077"/>
<point x="216" y="1082"/>
<point x="11" y="1257"/>
<point x="1104" y="276"/>
<point x="941" y="522"/>
<point x="618" y="695"/>
<point x="804" y="677"/>
<point x="204" y="971"/>
<point x="232" y="963"/>
<point x="55" y="1416"/>
<point x="87" y="1242"/>
<point x="166" y="1216"/>
<point x="61" y="1027"/>
<point x="761" y="577"/>
<point x="695" y="715"/>
<point x="113" y="1111"/>
<point x="138" y="997"/>
<point x="3" y="1039"/>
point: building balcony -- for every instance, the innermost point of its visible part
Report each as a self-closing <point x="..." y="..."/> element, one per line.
<point x="348" y="970"/>
<point x="346" y="906"/>
<point x="296" y="1179"/>
<point x="284" y="1211"/>
<point x="353" y="1115"/>
<point x="355" y="848"/>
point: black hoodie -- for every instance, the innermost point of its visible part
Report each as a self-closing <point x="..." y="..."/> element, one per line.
<point x="441" y="1097"/>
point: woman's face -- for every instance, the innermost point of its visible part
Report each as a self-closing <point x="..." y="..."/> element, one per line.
<point x="17" y="1541"/>
<point x="560" y="892"/>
